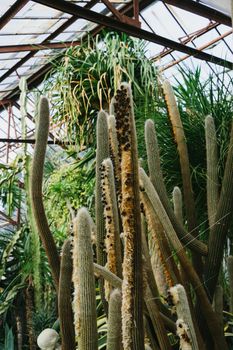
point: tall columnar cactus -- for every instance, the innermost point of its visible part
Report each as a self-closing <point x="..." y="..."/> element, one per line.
<point x="158" y="183"/>
<point x="218" y="303"/>
<point x="182" y="148"/>
<point x="147" y="261"/>
<point x="64" y="298"/>
<point x="84" y="303"/>
<point x="114" y="146"/>
<point x="180" y="301"/>
<point x="180" y="139"/>
<point x="159" y="249"/>
<point x="114" y="339"/>
<point x="157" y="320"/>
<point x="208" y="313"/>
<point x="29" y="317"/>
<point x="102" y="152"/>
<point x="223" y="220"/>
<point x="153" y="156"/>
<point x="230" y="275"/>
<point x="36" y="190"/>
<point x="34" y="238"/>
<point x="132" y="302"/>
<point x="212" y="170"/>
<point x="112" y="240"/>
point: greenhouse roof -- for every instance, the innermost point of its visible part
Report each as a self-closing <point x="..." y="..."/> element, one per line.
<point x="33" y="33"/>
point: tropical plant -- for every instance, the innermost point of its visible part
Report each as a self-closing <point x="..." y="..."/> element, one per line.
<point x="86" y="77"/>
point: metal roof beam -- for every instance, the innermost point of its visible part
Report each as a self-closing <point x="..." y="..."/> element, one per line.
<point x="36" y="47"/>
<point x="36" y="78"/>
<point x="201" y="10"/>
<point x="52" y="36"/>
<point x="92" y="16"/>
<point x="13" y="10"/>
<point x="200" y="48"/>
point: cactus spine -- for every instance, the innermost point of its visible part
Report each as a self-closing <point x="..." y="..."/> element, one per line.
<point x="84" y="283"/>
<point x="36" y="190"/>
<point x="132" y="298"/>
<point x="114" y="339"/>
<point x="64" y="298"/>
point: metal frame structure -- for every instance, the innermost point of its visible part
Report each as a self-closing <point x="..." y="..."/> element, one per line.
<point x="124" y="17"/>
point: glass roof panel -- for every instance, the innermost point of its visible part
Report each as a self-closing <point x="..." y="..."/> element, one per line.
<point x="223" y="5"/>
<point x="34" y="23"/>
<point x="5" y="5"/>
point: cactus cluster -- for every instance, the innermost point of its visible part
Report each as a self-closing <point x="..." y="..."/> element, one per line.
<point x="148" y="284"/>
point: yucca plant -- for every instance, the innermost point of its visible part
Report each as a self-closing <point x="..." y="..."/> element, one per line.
<point x="86" y="78"/>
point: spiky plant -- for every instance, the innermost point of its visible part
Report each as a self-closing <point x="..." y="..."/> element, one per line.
<point x="36" y="190"/>
<point x="84" y="283"/>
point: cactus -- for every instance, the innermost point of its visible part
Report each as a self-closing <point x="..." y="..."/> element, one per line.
<point x="180" y="301"/>
<point x="230" y="275"/>
<point x="147" y="262"/>
<point x="177" y="203"/>
<point x="129" y="197"/>
<point x="112" y="240"/>
<point x="114" y="146"/>
<point x="223" y="221"/>
<point x="36" y="190"/>
<point x="64" y="298"/>
<point x="158" y="183"/>
<point x="29" y="316"/>
<point x="218" y="303"/>
<point x="112" y="279"/>
<point x="183" y="333"/>
<point x="84" y="283"/>
<point x="179" y="136"/>
<point x="156" y="204"/>
<point x="157" y="321"/>
<point x="212" y="170"/>
<point x="102" y="152"/>
<point x="132" y="298"/>
<point x="147" y="347"/>
<point x="160" y="247"/>
<point x="114" y="339"/>
<point x="34" y="238"/>
<point x="210" y="317"/>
